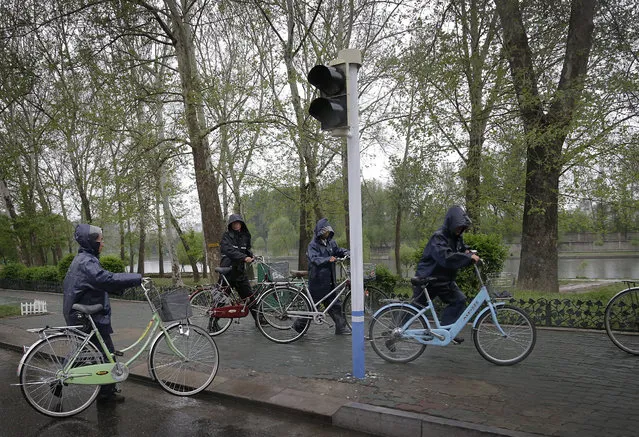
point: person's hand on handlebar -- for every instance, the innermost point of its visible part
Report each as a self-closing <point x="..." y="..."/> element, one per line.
<point x="248" y="260"/>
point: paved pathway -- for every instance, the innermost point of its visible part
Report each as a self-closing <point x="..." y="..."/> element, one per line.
<point x="575" y="383"/>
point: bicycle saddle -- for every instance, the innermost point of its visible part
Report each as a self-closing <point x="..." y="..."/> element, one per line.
<point x="416" y="280"/>
<point x="299" y="273"/>
<point x="224" y="270"/>
<point x="88" y="309"/>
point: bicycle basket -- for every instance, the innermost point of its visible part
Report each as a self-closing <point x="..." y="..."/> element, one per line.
<point x="173" y="304"/>
<point x="276" y="271"/>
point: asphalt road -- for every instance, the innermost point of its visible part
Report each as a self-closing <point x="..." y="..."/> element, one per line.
<point x="149" y="411"/>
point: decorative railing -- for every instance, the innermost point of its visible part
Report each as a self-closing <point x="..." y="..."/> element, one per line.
<point x="582" y="314"/>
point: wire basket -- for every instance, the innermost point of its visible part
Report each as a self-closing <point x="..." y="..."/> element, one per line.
<point x="276" y="271"/>
<point x="172" y="304"/>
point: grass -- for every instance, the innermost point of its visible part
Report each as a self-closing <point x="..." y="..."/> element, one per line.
<point x="9" y="310"/>
<point x="603" y="292"/>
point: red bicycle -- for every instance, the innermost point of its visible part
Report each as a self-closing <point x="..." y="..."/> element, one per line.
<point x="216" y="306"/>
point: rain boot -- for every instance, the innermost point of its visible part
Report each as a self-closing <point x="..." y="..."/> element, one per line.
<point x="341" y="327"/>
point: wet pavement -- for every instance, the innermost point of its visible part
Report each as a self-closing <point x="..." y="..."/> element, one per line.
<point x="575" y="383"/>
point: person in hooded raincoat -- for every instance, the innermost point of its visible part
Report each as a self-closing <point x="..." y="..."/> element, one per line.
<point x="444" y="254"/>
<point x="87" y="283"/>
<point x="321" y="253"/>
<point x="236" y="253"/>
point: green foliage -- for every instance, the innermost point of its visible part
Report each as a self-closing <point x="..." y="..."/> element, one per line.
<point x="8" y="252"/>
<point x="20" y="271"/>
<point x="64" y="264"/>
<point x="407" y="258"/>
<point x="112" y="263"/>
<point x="13" y="271"/>
<point x="281" y="236"/>
<point x="493" y="254"/>
<point x="42" y="273"/>
<point x="195" y="240"/>
<point x="385" y="279"/>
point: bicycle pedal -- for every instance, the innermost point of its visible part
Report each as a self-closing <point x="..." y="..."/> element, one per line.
<point x="118" y="353"/>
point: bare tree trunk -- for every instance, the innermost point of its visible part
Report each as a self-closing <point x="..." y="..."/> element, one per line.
<point x="6" y="196"/>
<point x="205" y="178"/>
<point x="545" y="132"/>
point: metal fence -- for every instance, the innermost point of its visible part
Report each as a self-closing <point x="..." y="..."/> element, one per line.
<point x="583" y="314"/>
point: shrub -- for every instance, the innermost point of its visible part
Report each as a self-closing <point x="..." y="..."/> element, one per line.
<point x="63" y="265"/>
<point x="492" y="252"/>
<point x="112" y="263"/>
<point x="13" y="271"/>
<point x="385" y="278"/>
<point x="42" y="273"/>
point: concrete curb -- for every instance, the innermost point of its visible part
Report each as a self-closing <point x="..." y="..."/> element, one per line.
<point x="389" y="422"/>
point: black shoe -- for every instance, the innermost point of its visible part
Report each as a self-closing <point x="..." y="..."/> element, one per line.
<point x="299" y="325"/>
<point x="343" y="330"/>
<point x="458" y="340"/>
<point x="113" y="397"/>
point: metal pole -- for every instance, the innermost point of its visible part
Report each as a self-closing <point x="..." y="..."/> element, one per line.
<point x="353" y="57"/>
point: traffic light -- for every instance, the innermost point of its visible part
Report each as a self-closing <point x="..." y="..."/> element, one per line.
<point x="331" y="108"/>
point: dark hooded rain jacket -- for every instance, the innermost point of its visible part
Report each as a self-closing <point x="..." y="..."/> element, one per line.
<point x="445" y="252"/>
<point x="321" y="272"/>
<point x="87" y="283"/>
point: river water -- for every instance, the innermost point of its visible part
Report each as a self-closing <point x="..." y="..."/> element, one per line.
<point x="588" y="268"/>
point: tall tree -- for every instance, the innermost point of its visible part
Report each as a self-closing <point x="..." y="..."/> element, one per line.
<point x="546" y="129"/>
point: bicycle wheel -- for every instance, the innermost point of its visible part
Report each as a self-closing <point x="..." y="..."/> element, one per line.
<point x="373" y="300"/>
<point x="622" y="320"/>
<point x="500" y="349"/>
<point x="193" y="371"/>
<point x="385" y="334"/>
<point x="202" y="303"/>
<point x="274" y="321"/>
<point x="43" y="382"/>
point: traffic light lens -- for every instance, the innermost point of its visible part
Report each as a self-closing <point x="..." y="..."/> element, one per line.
<point x="329" y="80"/>
<point x="330" y="112"/>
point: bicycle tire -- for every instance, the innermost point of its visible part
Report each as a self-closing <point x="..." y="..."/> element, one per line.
<point x="202" y="302"/>
<point x="621" y="320"/>
<point x="520" y="339"/>
<point x="195" y="371"/>
<point x="373" y="300"/>
<point x="41" y="380"/>
<point x="385" y="334"/>
<point x="274" y="322"/>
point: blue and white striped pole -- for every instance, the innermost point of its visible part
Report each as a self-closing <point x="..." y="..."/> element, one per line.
<point x="353" y="59"/>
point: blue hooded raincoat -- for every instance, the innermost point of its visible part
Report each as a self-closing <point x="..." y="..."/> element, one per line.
<point x="87" y="283"/>
<point x="321" y="272"/>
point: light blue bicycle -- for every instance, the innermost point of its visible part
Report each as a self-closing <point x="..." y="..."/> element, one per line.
<point x="503" y="334"/>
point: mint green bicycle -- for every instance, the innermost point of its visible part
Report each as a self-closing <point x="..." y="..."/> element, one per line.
<point x="61" y="373"/>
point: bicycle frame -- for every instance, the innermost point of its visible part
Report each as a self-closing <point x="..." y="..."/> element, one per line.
<point x="111" y="371"/>
<point x="336" y="292"/>
<point x="442" y="335"/>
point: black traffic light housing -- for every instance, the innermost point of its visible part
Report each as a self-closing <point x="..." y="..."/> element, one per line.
<point x="331" y="108"/>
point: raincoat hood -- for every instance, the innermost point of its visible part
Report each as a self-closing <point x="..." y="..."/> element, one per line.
<point x="86" y="235"/>
<point x="236" y="218"/>
<point x="321" y="226"/>
<point x="456" y="217"/>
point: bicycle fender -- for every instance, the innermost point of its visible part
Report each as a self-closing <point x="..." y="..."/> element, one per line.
<point x="396" y="304"/>
<point x="495" y="304"/>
